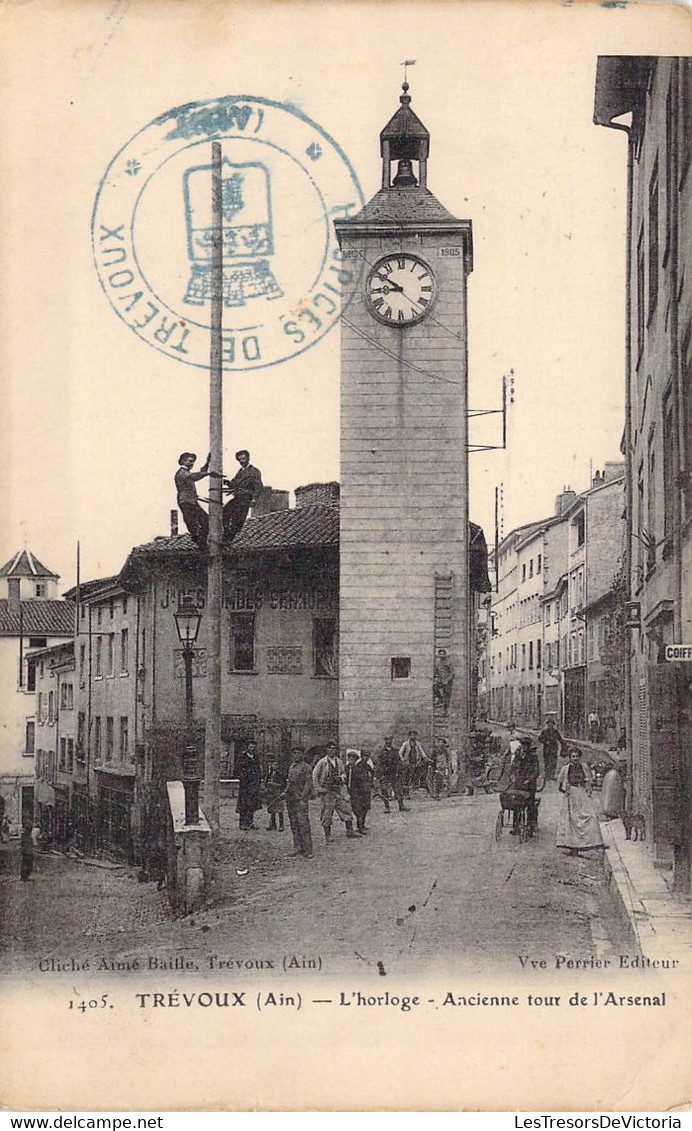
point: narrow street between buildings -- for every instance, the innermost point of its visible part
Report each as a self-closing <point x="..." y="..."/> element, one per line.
<point x="428" y="891"/>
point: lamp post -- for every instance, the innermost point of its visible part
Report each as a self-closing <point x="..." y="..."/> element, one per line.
<point x="187" y="622"/>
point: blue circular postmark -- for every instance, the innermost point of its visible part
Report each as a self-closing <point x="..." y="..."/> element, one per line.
<point x="284" y="183"/>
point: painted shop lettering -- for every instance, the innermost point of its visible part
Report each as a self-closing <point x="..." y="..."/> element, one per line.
<point x="307" y="599"/>
<point x="245" y="599"/>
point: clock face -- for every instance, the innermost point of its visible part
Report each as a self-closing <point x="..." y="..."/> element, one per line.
<point x="400" y="289"/>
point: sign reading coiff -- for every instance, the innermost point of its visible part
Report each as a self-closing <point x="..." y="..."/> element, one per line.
<point x="677" y="652"/>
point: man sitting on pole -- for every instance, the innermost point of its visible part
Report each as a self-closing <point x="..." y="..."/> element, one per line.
<point x="196" y="519"/>
<point x="244" y="486"/>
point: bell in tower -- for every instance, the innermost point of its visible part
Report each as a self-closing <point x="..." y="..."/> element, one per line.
<point x="404" y="139"/>
<point x="404" y="176"/>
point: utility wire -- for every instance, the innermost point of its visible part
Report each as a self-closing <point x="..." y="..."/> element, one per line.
<point x="390" y="353"/>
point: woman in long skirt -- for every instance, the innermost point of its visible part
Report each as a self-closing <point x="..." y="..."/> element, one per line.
<point x="577" y="824"/>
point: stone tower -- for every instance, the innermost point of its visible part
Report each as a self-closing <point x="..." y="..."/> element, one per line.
<point x="404" y="594"/>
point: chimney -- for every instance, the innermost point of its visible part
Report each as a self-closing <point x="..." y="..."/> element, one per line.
<point x="174" y="523"/>
<point x="564" y="500"/>
<point x="318" y="495"/>
<point x="613" y="469"/>
<point x="596" y="481"/>
<point x="269" y="500"/>
<point x="13" y="594"/>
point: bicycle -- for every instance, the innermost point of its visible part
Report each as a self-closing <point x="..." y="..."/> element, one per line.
<point x="519" y="804"/>
<point x="435" y="782"/>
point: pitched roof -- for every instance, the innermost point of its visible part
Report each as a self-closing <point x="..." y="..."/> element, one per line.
<point x="311" y="527"/>
<point x="314" y="525"/>
<point x="397" y="206"/>
<point x="90" y="589"/>
<point x="24" y="564"/>
<point x="39" y="618"/>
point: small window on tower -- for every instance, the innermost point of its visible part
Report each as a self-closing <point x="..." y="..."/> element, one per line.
<point x="401" y="667"/>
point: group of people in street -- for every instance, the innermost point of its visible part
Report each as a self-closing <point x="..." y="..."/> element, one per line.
<point x="242" y="489"/>
<point x="344" y="787"/>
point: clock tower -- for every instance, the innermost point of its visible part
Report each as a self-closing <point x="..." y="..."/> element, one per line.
<point x="404" y="581"/>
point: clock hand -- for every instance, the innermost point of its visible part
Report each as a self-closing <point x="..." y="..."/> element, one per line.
<point x="390" y="283"/>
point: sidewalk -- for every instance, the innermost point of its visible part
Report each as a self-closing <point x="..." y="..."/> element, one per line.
<point x="660" y="921"/>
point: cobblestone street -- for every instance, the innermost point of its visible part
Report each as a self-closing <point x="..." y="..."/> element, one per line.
<point x="429" y="890"/>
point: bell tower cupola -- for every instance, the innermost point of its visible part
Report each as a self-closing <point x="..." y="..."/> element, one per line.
<point x="405" y="140"/>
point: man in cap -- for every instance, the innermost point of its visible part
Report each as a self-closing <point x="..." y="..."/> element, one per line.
<point x="358" y="783"/>
<point x="298" y="791"/>
<point x="244" y="486"/>
<point x="524" y="774"/>
<point x="196" y="519"/>
<point x="329" y="782"/>
<point x="412" y="755"/>
<point x="443" y="678"/>
<point x="553" y="743"/>
<point x="389" y="769"/>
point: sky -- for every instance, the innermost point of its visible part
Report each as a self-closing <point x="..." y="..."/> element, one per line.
<point x="93" y="419"/>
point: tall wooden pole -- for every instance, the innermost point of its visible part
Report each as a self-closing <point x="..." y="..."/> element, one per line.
<point x="212" y="742"/>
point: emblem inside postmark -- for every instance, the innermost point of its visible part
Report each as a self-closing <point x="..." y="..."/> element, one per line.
<point x="284" y="182"/>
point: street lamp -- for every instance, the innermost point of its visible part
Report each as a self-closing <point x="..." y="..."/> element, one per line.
<point x="187" y="622"/>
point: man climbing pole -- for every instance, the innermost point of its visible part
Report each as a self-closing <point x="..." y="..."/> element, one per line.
<point x="196" y="518"/>
<point x="244" y="486"/>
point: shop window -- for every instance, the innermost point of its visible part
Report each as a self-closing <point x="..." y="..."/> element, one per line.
<point x="401" y="667"/>
<point x="324" y="646"/>
<point x="243" y="642"/>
